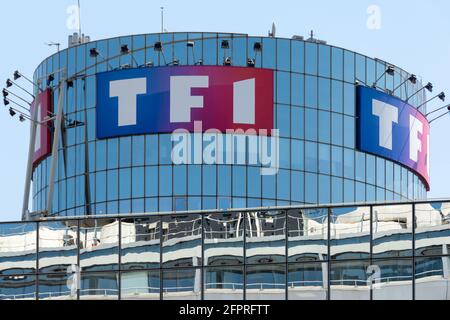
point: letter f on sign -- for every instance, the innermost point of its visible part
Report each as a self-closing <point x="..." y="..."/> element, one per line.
<point x="127" y="92"/>
<point x="181" y="99"/>
<point x="388" y="114"/>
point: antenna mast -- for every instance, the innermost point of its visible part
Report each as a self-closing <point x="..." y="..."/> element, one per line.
<point x="79" y="19"/>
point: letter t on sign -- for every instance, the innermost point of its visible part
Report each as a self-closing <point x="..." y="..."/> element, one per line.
<point x="388" y="114"/>
<point x="127" y="91"/>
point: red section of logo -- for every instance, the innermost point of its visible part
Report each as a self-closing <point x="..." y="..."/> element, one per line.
<point x="40" y="112"/>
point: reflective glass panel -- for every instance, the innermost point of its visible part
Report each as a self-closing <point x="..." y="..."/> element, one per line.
<point x="348" y="280"/>
<point x="432" y="277"/>
<point x="308" y="281"/>
<point x="182" y="284"/>
<point x="266" y="282"/>
<point x="18" y="287"/>
<point x="140" y="285"/>
<point x="432" y="229"/>
<point x="58" y="246"/>
<point x="394" y="281"/>
<point x="182" y="240"/>
<point x="99" y="286"/>
<point x="350" y="233"/>
<point x="140" y="243"/>
<point x="99" y="244"/>
<point x="308" y="234"/>
<point x="56" y="287"/>
<point x="226" y="283"/>
<point x="265" y="237"/>
<point x="17" y="248"/>
<point x="224" y="239"/>
<point x="392" y="231"/>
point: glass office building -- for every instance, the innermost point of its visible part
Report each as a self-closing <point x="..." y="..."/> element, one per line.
<point x="391" y="251"/>
<point x="314" y="109"/>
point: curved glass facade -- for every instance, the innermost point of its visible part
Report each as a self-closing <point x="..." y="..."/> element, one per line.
<point x="314" y="109"/>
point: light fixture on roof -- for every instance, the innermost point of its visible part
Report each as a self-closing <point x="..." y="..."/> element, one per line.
<point x="225" y="44"/>
<point x="251" y="63"/>
<point x="441" y="97"/>
<point x="428" y="86"/>
<point x="94" y="53"/>
<point x="158" y="47"/>
<point x="390" y="70"/>
<point x="124" y="50"/>
<point x="12" y="113"/>
<point x="227" y="61"/>
<point x="191" y="45"/>
<point x="412" y="78"/>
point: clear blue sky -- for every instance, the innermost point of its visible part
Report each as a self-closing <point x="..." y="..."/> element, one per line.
<point x="414" y="35"/>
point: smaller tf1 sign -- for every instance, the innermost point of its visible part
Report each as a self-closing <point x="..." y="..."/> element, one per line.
<point x="42" y="146"/>
<point x="393" y="129"/>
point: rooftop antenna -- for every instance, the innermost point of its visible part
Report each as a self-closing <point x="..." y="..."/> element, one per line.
<point x="79" y="20"/>
<point x="274" y="31"/>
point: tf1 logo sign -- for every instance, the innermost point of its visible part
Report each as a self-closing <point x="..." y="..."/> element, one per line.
<point x="164" y="99"/>
<point x="391" y="128"/>
<point x="40" y="111"/>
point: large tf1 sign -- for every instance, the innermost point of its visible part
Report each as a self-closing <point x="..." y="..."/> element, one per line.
<point x="164" y="99"/>
<point x="391" y="128"/>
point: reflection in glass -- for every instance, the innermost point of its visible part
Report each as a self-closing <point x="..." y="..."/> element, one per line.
<point x="55" y="287"/>
<point x="350" y="233"/>
<point x="349" y="281"/>
<point x="392" y="231"/>
<point x="140" y="243"/>
<point x="432" y="224"/>
<point x="224" y="239"/>
<point x="17" y="248"/>
<point x="224" y="283"/>
<point x="308" y="234"/>
<point x="432" y="278"/>
<point x="140" y="285"/>
<point x="308" y="281"/>
<point x="99" y="286"/>
<point x="58" y="246"/>
<point x="395" y="280"/>
<point x="99" y="244"/>
<point x="182" y="284"/>
<point x="18" y="287"/>
<point x="266" y="237"/>
<point x="182" y="240"/>
<point x="266" y="282"/>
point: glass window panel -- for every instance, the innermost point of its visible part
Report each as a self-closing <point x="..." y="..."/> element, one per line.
<point x="269" y="53"/>
<point x="225" y="283"/>
<point x="18" y="287"/>
<point x="392" y="231"/>
<point x="265" y="230"/>
<point x="99" y="244"/>
<point x="350" y="233"/>
<point x="96" y="286"/>
<point x="140" y="243"/>
<point x="182" y="284"/>
<point x="180" y="176"/>
<point x="18" y="248"/>
<point x="297" y="123"/>
<point x="284" y="54"/>
<point x="337" y="129"/>
<point x="324" y="94"/>
<point x="283" y="87"/>
<point x="58" y="246"/>
<point x="325" y="189"/>
<point x="307" y="281"/>
<point x="297" y="89"/>
<point x="283" y="120"/>
<point x="182" y="239"/>
<point x="395" y="280"/>
<point x="165" y="181"/>
<point x="254" y="182"/>
<point x="311" y="188"/>
<point x="337" y="63"/>
<point x="349" y="67"/>
<point x="140" y="285"/>
<point x="209" y="180"/>
<point x="432" y="230"/>
<point x="125" y="152"/>
<point x="266" y="282"/>
<point x="337" y="163"/>
<point x="311" y="58"/>
<point x="337" y="96"/>
<point x="430" y="278"/>
<point x="308" y="234"/>
<point x="348" y="280"/>
<point x="194" y="180"/>
<point x="311" y="91"/>
<point x="324" y="127"/>
<point x="55" y="287"/>
<point x="297" y="186"/>
<point x="360" y="167"/>
<point x="224" y="239"/>
<point x="337" y="189"/>
<point x="371" y="168"/>
<point x="298" y="56"/>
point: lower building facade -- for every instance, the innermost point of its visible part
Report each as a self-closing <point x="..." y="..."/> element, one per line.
<point x="359" y="252"/>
